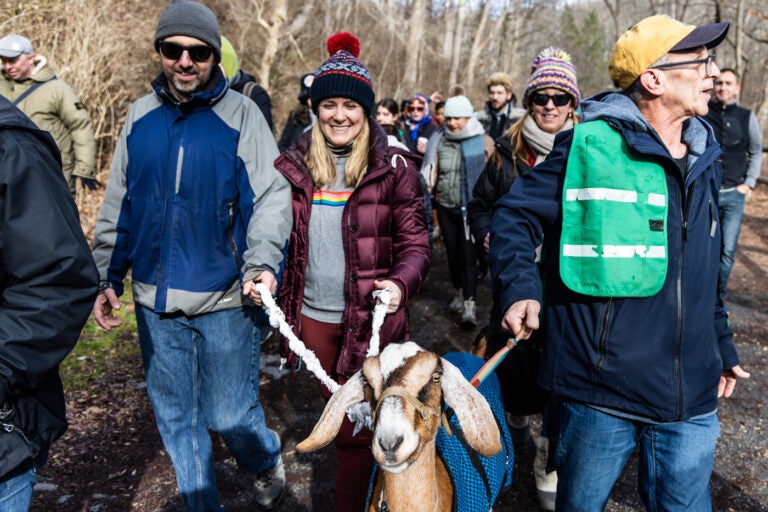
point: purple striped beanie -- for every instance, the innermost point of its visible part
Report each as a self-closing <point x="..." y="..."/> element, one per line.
<point x="552" y="68"/>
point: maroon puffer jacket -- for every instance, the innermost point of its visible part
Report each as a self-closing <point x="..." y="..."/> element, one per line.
<point x="385" y="238"/>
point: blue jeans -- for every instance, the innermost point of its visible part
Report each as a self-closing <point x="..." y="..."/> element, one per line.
<point x="203" y="373"/>
<point x="731" y="207"/>
<point x="16" y="493"/>
<point x="674" y="468"/>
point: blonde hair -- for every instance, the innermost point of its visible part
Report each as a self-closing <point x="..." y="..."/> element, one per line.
<point x="515" y="136"/>
<point x="321" y="161"/>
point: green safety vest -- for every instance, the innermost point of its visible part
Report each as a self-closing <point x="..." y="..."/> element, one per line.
<point x="614" y="238"/>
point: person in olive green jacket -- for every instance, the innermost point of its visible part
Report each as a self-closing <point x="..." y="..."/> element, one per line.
<point x="30" y="84"/>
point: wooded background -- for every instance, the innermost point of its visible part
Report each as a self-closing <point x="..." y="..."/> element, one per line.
<point x="105" y="51"/>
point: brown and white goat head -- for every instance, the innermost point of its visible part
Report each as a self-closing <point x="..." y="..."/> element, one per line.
<point x="405" y="386"/>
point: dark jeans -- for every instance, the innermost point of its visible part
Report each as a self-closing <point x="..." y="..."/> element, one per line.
<point x="461" y="253"/>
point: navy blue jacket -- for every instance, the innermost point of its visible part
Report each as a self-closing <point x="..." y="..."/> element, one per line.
<point x="194" y="203"/>
<point x="660" y="357"/>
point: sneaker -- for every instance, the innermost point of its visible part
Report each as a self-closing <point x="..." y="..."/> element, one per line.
<point x="469" y="315"/>
<point x="269" y="485"/>
<point x="546" y="483"/>
<point x="457" y="303"/>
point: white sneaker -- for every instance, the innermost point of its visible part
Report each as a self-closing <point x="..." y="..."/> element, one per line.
<point x="457" y="303"/>
<point x="546" y="483"/>
<point x="469" y="314"/>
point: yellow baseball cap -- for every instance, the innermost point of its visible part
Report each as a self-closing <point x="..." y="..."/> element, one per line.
<point x="652" y="38"/>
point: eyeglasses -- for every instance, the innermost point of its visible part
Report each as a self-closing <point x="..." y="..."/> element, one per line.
<point x="174" y="51"/>
<point x="416" y="109"/>
<point x="708" y="61"/>
<point x="541" y="99"/>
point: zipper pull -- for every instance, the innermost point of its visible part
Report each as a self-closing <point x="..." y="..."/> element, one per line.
<point x="685" y="231"/>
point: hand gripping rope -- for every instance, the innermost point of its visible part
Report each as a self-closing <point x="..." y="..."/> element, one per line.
<point x="359" y="414"/>
<point x="277" y="320"/>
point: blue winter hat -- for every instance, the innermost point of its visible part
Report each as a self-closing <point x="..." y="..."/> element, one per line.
<point x="343" y="75"/>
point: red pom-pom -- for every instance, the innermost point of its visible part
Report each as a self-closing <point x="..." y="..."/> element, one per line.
<point x="343" y="41"/>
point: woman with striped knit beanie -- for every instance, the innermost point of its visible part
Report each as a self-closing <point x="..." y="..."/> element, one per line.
<point x="358" y="226"/>
<point x="551" y="98"/>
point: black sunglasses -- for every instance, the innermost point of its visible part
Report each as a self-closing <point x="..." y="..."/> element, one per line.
<point x="541" y="99"/>
<point x="174" y="51"/>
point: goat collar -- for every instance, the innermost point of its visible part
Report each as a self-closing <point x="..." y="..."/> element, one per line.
<point x="424" y="410"/>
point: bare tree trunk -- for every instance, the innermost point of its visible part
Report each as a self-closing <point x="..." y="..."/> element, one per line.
<point x="497" y="36"/>
<point x="413" y="45"/>
<point x="478" y="43"/>
<point x="613" y="10"/>
<point x="449" y="33"/>
<point x="453" y="76"/>
<point x="739" y="46"/>
<point x="273" y="29"/>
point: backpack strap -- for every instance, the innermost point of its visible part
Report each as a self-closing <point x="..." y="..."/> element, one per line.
<point x="248" y="88"/>
<point x="30" y="91"/>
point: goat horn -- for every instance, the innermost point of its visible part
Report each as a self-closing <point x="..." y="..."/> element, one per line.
<point x="330" y="422"/>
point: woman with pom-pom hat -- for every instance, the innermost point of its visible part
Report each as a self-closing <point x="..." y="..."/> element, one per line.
<point x="551" y="98"/>
<point x="359" y="226"/>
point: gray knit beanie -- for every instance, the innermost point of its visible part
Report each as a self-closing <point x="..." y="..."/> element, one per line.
<point x="188" y="18"/>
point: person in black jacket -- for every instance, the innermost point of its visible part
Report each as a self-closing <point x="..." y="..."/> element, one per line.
<point x="551" y="99"/>
<point x="48" y="282"/>
<point x="300" y="118"/>
<point x="738" y="132"/>
<point x="242" y="82"/>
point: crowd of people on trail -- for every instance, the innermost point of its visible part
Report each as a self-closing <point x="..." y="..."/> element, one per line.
<point x="606" y="223"/>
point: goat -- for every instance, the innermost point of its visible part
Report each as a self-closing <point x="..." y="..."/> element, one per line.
<point x="405" y="386"/>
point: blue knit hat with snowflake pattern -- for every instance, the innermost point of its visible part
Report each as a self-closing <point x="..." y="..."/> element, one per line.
<point x="343" y="75"/>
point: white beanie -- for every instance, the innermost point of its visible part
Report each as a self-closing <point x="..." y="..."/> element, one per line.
<point x="458" y="106"/>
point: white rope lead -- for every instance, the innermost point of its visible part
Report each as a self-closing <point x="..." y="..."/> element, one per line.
<point x="383" y="297"/>
<point x="277" y="320"/>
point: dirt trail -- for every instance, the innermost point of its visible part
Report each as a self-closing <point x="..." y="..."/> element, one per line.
<point x="112" y="458"/>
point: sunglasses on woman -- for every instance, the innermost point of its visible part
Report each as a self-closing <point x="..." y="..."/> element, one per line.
<point x="541" y="99"/>
<point x="174" y="51"/>
<point x="416" y="109"/>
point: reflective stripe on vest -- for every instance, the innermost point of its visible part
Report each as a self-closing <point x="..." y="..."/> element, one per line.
<point x="614" y="238"/>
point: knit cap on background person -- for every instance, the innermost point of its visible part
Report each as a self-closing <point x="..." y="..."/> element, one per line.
<point x="458" y="106"/>
<point x="552" y="68"/>
<point x="342" y="74"/>
<point x="188" y="18"/>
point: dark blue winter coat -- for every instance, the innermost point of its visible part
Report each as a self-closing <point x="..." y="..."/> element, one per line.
<point x="660" y="357"/>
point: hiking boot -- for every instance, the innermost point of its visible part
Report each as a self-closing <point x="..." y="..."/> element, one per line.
<point x="469" y="314"/>
<point x="519" y="429"/>
<point x="269" y="485"/>
<point x="457" y="303"/>
<point x="546" y="483"/>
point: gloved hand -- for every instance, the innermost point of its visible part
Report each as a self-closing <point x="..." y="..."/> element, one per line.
<point x="89" y="183"/>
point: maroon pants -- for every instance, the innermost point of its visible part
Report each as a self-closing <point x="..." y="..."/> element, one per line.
<point x="354" y="461"/>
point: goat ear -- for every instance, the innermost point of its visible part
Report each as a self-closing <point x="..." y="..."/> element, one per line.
<point x="330" y="422"/>
<point x="472" y="410"/>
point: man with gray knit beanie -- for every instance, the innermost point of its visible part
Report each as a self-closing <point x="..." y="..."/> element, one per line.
<point x="195" y="208"/>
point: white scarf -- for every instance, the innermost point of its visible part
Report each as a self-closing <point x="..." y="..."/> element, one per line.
<point x="538" y="140"/>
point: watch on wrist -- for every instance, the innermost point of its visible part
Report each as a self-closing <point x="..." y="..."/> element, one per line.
<point x="104" y="285"/>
